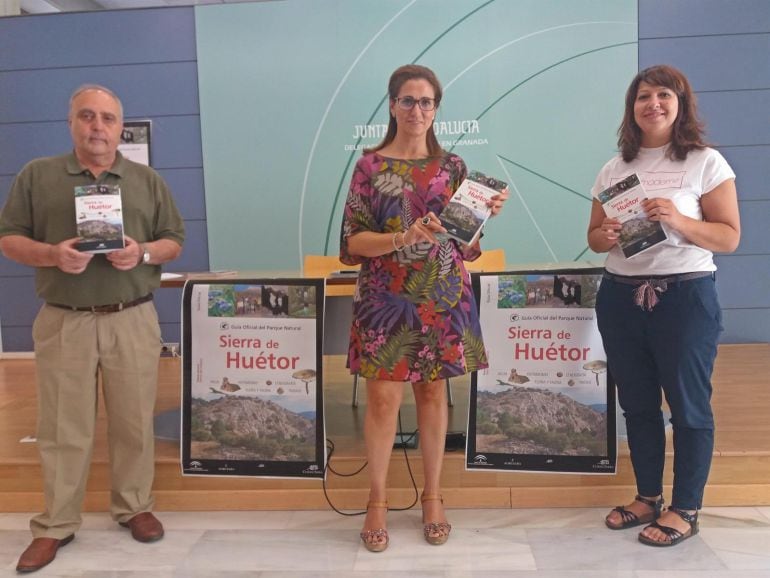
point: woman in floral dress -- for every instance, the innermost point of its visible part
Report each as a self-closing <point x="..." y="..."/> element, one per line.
<point x="414" y="314"/>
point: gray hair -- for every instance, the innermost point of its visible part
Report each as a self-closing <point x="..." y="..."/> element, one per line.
<point x="86" y="87"/>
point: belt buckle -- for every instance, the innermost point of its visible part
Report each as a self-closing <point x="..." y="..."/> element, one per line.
<point x="117" y="307"/>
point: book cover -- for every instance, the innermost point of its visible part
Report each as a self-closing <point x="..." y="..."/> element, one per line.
<point x="623" y="201"/>
<point x="99" y="218"/>
<point x="467" y="210"/>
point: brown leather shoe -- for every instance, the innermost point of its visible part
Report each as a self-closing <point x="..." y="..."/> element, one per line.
<point x="144" y="527"/>
<point x="41" y="552"/>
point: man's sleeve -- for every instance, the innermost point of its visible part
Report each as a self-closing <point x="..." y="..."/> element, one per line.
<point x="16" y="215"/>
<point x="168" y="221"/>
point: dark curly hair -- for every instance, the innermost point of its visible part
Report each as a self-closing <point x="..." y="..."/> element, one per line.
<point x="687" y="131"/>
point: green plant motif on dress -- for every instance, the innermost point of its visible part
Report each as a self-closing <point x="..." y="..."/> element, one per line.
<point x="473" y="350"/>
<point x="400" y="345"/>
<point x="419" y="285"/>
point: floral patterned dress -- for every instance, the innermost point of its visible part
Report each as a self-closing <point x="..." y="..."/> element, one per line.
<point x="414" y="313"/>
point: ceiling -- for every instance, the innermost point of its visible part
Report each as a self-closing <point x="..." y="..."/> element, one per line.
<point x="50" y="6"/>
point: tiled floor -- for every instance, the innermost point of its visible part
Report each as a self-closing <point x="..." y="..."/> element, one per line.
<point x="546" y="543"/>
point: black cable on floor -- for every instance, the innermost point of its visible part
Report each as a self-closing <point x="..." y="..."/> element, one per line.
<point x="328" y="468"/>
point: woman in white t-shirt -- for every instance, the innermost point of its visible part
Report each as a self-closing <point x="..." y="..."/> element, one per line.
<point x="657" y="310"/>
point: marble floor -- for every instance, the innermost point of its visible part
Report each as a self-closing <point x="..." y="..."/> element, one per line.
<point x="536" y="543"/>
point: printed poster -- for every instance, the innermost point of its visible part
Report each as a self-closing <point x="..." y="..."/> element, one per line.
<point x="135" y="141"/>
<point x="547" y="402"/>
<point x="252" y="378"/>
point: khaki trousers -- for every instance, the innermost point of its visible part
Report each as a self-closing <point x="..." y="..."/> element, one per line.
<point x="71" y="349"/>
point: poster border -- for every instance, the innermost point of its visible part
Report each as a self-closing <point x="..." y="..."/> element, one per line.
<point x="538" y="463"/>
<point x="275" y="469"/>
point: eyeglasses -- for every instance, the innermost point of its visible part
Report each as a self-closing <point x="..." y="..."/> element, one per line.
<point x="408" y="102"/>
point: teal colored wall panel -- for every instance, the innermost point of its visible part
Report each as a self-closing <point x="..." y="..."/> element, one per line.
<point x="287" y="88"/>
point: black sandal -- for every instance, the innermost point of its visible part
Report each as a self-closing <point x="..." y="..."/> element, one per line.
<point x="674" y="536"/>
<point x="629" y="519"/>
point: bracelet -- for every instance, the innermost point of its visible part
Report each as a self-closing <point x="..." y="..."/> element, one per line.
<point x="403" y="242"/>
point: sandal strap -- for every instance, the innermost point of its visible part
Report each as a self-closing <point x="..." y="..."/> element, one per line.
<point x="625" y="515"/>
<point x="657" y="504"/>
<point x="630" y="518"/>
<point x="368" y="535"/>
<point x="672" y="533"/>
<point x="437" y="528"/>
<point x="691" y="519"/>
<point x="431" y="497"/>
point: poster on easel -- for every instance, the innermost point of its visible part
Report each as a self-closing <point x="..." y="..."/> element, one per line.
<point x="252" y="379"/>
<point x="547" y="402"/>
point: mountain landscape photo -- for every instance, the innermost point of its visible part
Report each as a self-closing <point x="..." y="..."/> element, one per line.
<point x="249" y="428"/>
<point x="524" y="420"/>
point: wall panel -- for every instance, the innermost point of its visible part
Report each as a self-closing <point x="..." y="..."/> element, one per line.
<point x="672" y="18"/>
<point x="97" y="38"/>
<point x="17" y="339"/>
<point x="43" y="94"/>
<point x="724" y="48"/>
<point x="743" y="281"/>
<point x="745" y="325"/>
<point x="752" y="170"/>
<point x="713" y="62"/>
<point x="10" y="268"/>
<point x="149" y="58"/>
<point x="19" y="304"/>
<point x="735" y="117"/>
<point x="186" y="185"/>
<point x="755" y="219"/>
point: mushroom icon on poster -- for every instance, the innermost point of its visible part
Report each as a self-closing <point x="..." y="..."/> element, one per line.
<point x="597" y="366"/>
<point x="306" y="375"/>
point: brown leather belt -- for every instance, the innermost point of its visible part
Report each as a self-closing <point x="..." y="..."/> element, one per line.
<point x="113" y="308"/>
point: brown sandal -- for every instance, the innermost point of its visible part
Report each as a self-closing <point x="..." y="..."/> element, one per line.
<point x="373" y="539"/>
<point x="629" y="519"/>
<point x="436" y="533"/>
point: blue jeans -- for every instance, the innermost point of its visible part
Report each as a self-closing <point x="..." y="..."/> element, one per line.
<point x="669" y="350"/>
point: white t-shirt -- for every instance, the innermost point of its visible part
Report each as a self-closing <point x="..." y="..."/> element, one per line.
<point x="684" y="182"/>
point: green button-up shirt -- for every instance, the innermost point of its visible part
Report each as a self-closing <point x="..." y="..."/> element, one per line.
<point x="41" y="206"/>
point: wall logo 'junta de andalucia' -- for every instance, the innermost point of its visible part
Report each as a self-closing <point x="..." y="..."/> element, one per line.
<point x="445" y="128"/>
<point x="441" y="128"/>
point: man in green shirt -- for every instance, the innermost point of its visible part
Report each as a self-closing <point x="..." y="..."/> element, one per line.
<point x="98" y="319"/>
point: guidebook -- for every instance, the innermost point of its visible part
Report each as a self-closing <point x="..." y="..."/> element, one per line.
<point x="467" y="210"/>
<point x="623" y="201"/>
<point x="99" y="218"/>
